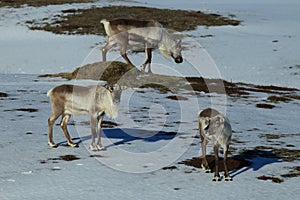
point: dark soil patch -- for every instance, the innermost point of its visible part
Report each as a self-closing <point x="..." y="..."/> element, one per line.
<point x="233" y="163"/>
<point x="111" y="72"/>
<point x="37" y="3"/>
<point x="96" y="156"/>
<point x="27" y="110"/>
<point x="269" y="136"/>
<point x="176" y="97"/>
<point x="277" y="99"/>
<point x="287" y="155"/>
<point x="127" y="75"/>
<point x="294" y="172"/>
<point x="86" y="21"/>
<point x="169" y="168"/>
<point x="2" y="94"/>
<point x="264" y="105"/>
<point x="69" y="157"/>
<point x="274" y="179"/>
<point x="30" y="110"/>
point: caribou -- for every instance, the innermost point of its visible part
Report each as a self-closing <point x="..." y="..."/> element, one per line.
<point x="215" y="127"/>
<point x="140" y="34"/>
<point x="95" y="101"/>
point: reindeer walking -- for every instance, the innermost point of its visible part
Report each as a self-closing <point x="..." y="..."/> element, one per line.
<point x="214" y="127"/>
<point x="95" y="101"/>
<point x="140" y="34"/>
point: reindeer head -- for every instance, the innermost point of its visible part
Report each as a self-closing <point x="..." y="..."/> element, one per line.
<point x="214" y="124"/>
<point x="116" y="91"/>
<point x="176" y="52"/>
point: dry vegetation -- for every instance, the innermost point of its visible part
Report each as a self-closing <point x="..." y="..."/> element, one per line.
<point x="37" y="3"/>
<point x="87" y="21"/>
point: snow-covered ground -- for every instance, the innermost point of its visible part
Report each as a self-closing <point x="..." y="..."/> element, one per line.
<point x="131" y="167"/>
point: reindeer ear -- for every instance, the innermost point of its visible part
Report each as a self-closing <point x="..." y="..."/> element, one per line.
<point x="178" y="44"/>
<point x="221" y="120"/>
<point x="205" y="123"/>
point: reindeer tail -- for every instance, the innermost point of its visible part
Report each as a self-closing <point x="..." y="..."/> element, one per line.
<point x="103" y="21"/>
<point x="49" y="92"/>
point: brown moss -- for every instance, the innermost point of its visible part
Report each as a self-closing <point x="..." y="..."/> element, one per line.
<point x="233" y="163"/>
<point x="37" y="3"/>
<point x="272" y="178"/>
<point x="264" y="105"/>
<point x="277" y="99"/>
<point x="2" y="94"/>
<point x="86" y="21"/>
<point x="176" y="97"/>
<point x="68" y="157"/>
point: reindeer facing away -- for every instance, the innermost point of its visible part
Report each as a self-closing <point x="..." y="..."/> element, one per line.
<point x="141" y="34"/>
<point x="214" y="127"/>
<point x="95" y="101"/>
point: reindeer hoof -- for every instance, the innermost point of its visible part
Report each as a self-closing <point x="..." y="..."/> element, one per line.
<point x="53" y="145"/>
<point x="73" y="145"/>
<point x="228" y="178"/>
<point x="97" y="148"/>
<point x="93" y="148"/>
<point x="205" y="169"/>
<point x="216" y="178"/>
<point x="100" y="148"/>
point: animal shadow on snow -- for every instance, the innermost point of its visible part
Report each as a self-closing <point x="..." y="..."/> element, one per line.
<point x="125" y="135"/>
<point x="258" y="159"/>
<point x="238" y="164"/>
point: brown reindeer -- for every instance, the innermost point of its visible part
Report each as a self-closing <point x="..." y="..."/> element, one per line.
<point x="141" y="34"/>
<point x="95" y="101"/>
<point x="214" y="127"/>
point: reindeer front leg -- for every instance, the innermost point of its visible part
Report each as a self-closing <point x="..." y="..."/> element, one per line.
<point x="99" y="145"/>
<point x="204" y="164"/>
<point x="217" y="175"/>
<point x="226" y="174"/>
<point x="148" y="52"/>
<point x="93" y="131"/>
<point x="124" y="55"/>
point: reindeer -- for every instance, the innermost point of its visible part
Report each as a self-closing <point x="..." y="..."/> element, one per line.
<point x="147" y="35"/>
<point x="96" y="101"/>
<point x="214" y="127"/>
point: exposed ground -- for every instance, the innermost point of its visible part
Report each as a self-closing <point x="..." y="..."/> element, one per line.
<point x="127" y="75"/>
<point x="87" y="21"/>
<point x="37" y="3"/>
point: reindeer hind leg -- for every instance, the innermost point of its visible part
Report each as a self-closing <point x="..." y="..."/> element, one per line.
<point x="51" y="121"/>
<point x="63" y="124"/>
<point x="217" y="175"/>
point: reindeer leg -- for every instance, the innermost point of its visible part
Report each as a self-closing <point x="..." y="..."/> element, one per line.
<point x="63" y="124"/>
<point x="99" y="145"/>
<point x="148" y="52"/>
<point x="51" y="121"/>
<point x="93" y="131"/>
<point x="204" y="164"/>
<point x="226" y="174"/>
<point x="106" y="48"/>
<point x="217" y="175"/>
<point x="124" y="55"/>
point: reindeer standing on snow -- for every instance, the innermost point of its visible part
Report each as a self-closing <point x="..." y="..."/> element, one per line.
<point x="96" y="101"/>
<point x="140" y="34"/>
<point x="214" y="127"/>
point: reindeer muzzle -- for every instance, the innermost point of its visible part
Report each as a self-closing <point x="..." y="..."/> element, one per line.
<point x="178" y="59"/>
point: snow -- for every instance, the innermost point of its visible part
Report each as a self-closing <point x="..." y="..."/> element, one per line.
<point x="131" y="166"/>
